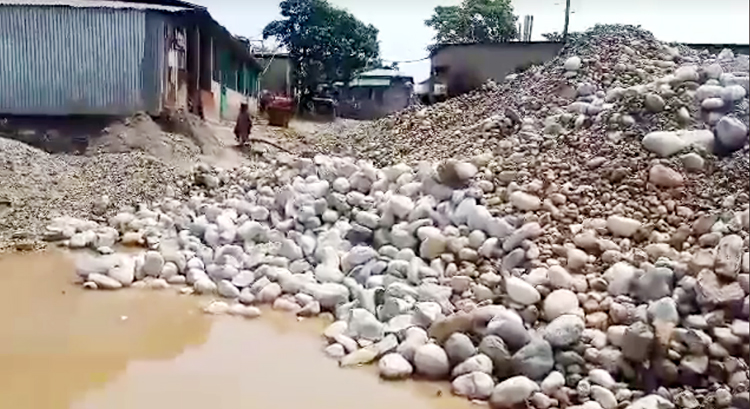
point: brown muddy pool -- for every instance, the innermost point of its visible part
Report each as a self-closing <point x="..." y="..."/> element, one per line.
<point x="62" y="347"/>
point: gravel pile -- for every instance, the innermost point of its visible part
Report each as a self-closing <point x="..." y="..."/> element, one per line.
<point x="582" y="242"/>
<point x="423" y="277"/>
<point x="37" y="187"/>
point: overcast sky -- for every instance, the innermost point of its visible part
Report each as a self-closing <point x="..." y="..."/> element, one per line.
<point x="403" y="35"/>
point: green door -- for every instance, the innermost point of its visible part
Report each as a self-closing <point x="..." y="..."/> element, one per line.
<point x="225" y="71"/>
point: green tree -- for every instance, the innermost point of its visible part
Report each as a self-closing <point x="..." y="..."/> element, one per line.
<point x="325" y="43"/>
<point x="474" y="21"/>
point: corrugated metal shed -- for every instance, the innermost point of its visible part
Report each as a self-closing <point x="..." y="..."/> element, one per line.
<point x="92" y="4"/>
<point x="79" y="60"/>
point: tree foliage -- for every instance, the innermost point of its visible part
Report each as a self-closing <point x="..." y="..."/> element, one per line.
<point x="474" y="21"/>
<point x="325" y="43"/>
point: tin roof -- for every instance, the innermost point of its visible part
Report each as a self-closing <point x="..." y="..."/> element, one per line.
<point x="93" y="4"/>
<point x="382" y="72"/>
<point x="370" y="82"/>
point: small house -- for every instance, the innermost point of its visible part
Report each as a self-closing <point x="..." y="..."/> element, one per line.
<point x="459" y="68"/>
<point x="375" y="94"/>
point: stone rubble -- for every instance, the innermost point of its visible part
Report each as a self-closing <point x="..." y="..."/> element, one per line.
<point x="558" y="272"/>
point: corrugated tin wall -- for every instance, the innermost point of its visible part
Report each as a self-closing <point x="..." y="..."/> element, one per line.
<point x="65" y="60"/>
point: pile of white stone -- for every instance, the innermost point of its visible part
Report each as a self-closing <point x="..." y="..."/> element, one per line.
<point x="425" y="279"/>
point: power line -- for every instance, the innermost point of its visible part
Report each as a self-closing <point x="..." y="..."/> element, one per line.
<point x="407" y="61"/>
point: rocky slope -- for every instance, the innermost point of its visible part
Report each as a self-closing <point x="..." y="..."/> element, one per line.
<point x="587" y="250"/>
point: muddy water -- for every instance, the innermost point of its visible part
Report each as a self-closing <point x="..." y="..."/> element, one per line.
<point x="62" y="347"/>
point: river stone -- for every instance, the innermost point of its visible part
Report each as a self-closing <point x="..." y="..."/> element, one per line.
<point x="729" y="256"/>
<point x="476" y="363"/>
<point x="572" y="64"/>
<point x="475" y="385"/>
<point x="363" y="324"/>
<point x="731" y="133"/>
<point x="560" y="302"/>
<point x="664" y="143"/>
<point x="153" y="262"/>
<point x="394" y="366"/>
<point x="666" y="177"/>
<point x="604" y="397"/>
<point x="227" y="289"/>
<point x="104" y="282"/>
<point x="622" y="226"/>
<point x="535" y="360"/>
<point x="512" y="392"/>
<point x="564" y="331"/>
<point x="204" y="285"/>
<point x="521" y="292"/>
<point x="459" y="348"/>
<point x="525" y="201"/>
<point x="637" y="342"/>
<point x="651" y="402"/>
<point x="269" y="293"/>
<point x="431" y="361"/>
<point x="124" y="272"/>
<point x="494" y="347"/>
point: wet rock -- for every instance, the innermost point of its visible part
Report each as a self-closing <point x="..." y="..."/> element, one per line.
<point x="475" y="385"/>
<point x="476" y="363"/>
<point x="512" y="392"/>
<point x="394" y="366"/>
<point x="104" y="282"/>
<point x="431" y="361"/>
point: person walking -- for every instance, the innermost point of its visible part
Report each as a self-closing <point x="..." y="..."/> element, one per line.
<point x="244" y="125"/>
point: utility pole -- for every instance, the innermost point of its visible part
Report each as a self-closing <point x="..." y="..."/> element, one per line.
<point x="567" y="21"/>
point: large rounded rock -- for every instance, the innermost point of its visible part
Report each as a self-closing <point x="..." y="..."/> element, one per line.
<point x="394" y="366"/>
<point x="731" y="133"/>
<point x="564" y="330"/>
<point x="477" y="363"/>
<point x="535" y="360"/>
<point x="560" y="302"/>
<point x="459" y="348"/>
<point x="432" y="362"/>
<point x="475" y="385"/>
<point x="573" y="63"/>
<point x="512" y="392"/>
<point x="153" y="262"/>
<point x="663" y="176"/>
<point x="495" y="348"/>
<point x="521" y="292"/>
<point x="104" y="282"/>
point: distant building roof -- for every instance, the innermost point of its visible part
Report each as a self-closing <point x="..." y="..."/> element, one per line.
<point x="94" y="4"/>
<point x="384" y="72"/>
<point x="370" y="82"/>
<point x="441" y="47"/>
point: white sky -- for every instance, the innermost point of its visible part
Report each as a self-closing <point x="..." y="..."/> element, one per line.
<point x="403" y="35"/>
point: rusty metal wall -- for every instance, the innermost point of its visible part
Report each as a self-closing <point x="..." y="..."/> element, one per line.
<point x="67" y="61"/>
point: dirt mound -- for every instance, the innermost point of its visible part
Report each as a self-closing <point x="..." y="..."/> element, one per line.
<point x="37" y="186"/>
<point x="141" y="133"/>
